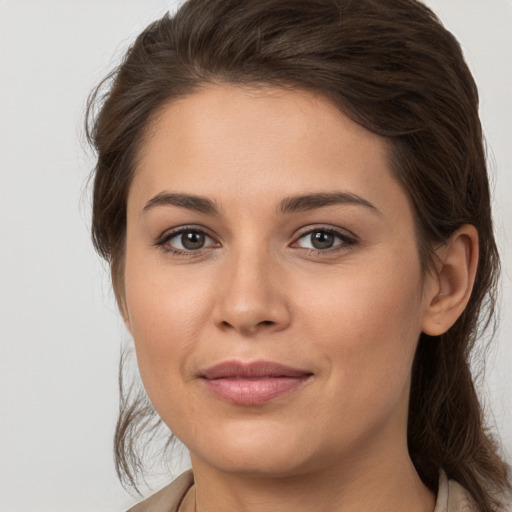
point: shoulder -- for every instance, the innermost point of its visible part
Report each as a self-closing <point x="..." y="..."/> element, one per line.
<point x="459" y="499"/>
<point x="452" y="497"/>
<point x="167" y="499"/>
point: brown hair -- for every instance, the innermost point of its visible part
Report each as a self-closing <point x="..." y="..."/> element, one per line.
<point x="393" y="68"/>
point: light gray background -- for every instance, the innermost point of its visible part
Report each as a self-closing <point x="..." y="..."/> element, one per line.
<point x="59" y="329"/>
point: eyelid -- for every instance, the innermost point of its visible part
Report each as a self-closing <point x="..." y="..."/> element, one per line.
<point x="169" y="234"/>
<point x="347" y="237"/>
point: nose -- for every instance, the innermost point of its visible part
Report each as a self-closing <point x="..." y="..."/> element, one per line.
<point x="251" y="296"/>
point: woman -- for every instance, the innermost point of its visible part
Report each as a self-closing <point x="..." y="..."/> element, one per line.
<point x="293" y="199"/>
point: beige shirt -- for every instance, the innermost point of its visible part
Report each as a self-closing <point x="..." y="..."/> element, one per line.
<point x="451" y="496"/>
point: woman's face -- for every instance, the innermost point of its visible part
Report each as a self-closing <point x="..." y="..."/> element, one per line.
<point x="272" y="282"/>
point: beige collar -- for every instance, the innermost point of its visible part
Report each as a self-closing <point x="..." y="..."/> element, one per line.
<point x="179" y="496"/>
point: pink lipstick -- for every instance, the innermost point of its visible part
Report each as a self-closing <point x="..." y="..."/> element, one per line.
<point x="254" y="383"/>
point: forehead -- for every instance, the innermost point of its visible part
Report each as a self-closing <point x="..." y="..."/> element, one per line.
<point x="234" y="142"/>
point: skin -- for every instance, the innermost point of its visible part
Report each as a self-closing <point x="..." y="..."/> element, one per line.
<point x="257" y="290"/>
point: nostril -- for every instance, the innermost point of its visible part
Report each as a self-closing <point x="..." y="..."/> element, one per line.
<point x="263" y="322"/>
<point x="247" y="328"/>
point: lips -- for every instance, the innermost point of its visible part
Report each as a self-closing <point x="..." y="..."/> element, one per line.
<point x="254" y="383"/>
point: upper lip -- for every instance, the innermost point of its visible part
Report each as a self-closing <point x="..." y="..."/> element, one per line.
<point x="262" y="369"/>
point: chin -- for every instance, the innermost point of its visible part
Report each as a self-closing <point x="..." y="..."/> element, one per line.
<point x="264" y="452"/>
<point x="259" y="465"/>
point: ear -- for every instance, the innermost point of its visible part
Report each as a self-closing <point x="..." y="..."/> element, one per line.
<point x="123" y="309"/>
<point x="121" y="303"/>
<point x="117" y="273"/>
<point x="450" y="285"/>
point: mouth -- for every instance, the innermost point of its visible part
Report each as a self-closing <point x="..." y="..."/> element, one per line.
<point x="253" y="383"/>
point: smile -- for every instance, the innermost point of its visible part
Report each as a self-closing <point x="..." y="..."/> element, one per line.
<point x="252" y="384"/>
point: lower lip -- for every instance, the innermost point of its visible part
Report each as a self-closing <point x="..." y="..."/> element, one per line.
<point x="253" y="391"/>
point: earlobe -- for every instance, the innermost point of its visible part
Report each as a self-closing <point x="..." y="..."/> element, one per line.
<point x="121" y="303"/>
<point x="452" y="283"/>
<point x="119" y="291"/>
<point x="125" y="317"/>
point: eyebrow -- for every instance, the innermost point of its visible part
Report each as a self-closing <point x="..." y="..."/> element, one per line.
<point x="319" y="200"/>
<point x="190" y="202"/>
<point x="290" y="204"/>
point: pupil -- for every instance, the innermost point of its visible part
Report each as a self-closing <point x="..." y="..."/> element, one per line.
<point x="322" y="240"/>
<point x="192" y="240"/>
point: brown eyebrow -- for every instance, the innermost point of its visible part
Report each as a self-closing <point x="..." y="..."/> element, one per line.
<point x="191" y="202"/>
<point x="289" y="205"/>
<point x="318" y="200"/>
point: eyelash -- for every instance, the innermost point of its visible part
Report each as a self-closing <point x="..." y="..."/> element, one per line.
<point x="163" y="241"/>
<point x="347" y="239"/>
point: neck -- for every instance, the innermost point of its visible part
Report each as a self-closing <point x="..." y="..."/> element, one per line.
<point x="389" y="485"/>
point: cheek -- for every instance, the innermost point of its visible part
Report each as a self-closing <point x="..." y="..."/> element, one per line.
<point x="366" y="324"/>
<point x="165" y="315"/>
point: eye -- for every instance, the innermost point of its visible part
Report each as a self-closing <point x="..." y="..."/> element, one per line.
<point x="186" y="240"/>
<point x="322" y="239"/>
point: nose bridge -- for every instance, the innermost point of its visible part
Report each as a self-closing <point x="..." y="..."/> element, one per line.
<point x="251" y="295"/>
